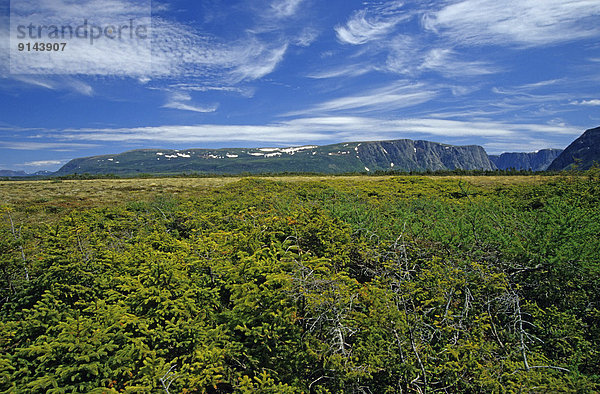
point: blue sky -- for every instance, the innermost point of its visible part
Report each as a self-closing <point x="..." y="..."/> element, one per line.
<point x="507" y="75"/>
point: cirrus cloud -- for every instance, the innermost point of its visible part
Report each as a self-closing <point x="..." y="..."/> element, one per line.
<point x="371" y="24"/>
<point x="524" y="23"/>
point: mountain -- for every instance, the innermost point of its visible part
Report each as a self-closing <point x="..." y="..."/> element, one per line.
<point x="582" y="153"/>
<point x="407" y="155"/>
<point x="10" y="173"/>
<point x="42" y="173"/>
<point x="534" y="161"/>
<point x="15" y="174"/>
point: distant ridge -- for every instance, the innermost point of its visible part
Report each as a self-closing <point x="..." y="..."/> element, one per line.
<point x="10" y="173"/>
<point x="581" y="154"/>
<point x="23" y="174"/>
<point x="533" y="161"/>
<point x="404" y="155"/>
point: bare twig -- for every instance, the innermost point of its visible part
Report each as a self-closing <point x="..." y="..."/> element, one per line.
<point x="316" y="380"/>
<point x="168" y="378"/>
<point x="18" y="239"/>
<point x="519" y="316"/>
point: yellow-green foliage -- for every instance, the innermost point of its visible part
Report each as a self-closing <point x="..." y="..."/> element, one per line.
<point x="298" y="285"/>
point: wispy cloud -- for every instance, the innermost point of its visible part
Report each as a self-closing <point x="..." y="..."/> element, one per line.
<point x="38" y="82"/>
<point x="590" y="103"/>
<point x="171" y="49"/>
<point x="524" y="23"/>
<point x="62" y="83"/>
<point x="535" y="100"/>
<point x="351" y="70"/>
<point x="259" y="61"/>
<point x="371" y="23"/>
<point x="448" y="63"/>
<point x="53" y="146"/>
<point x="405" y="54"/>
<point x="520" y="98"/>
<point x="539" y="85"/>
<point x="80" y="87"/>
<point x="525" y="142"/>
<point x="306" y="37"/>
<point x="376" y="128"/>
<point x="179" y="52"/>
<point x="320" y="128"/>
<point x="183" y="101"/>
<point x="102" y="51"/>
<point x="452" y="27"/>
<point x="271" y="133"/>
<point x="399" y="95"/>
<point x="360" y="30"/>
<point x="282" y="19"/>
<point x="245" y="91"/>
<point x="409" y="55"/>
<point x="44" y="163"/>
<point x="285" y="8"/>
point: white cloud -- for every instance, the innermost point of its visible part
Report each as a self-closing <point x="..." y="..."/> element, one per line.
<point x="523" y="100"/>
<point x="371" y="24"/>
<point x="175" y="50"/>
<point x="178" y="51"/>
<point x="124" y="53"/>
<point x="102" y="9"/>
<point x="285" y="8"/>
<point x="497" y="136"/>
<point x="80" y="87"/>
<point x="351" y="70"/>
<point x="306" y="37"/>
<point x="456" y="24"/>
<point x="594" y="102"/>
<point x="188" y="107"/>
<point x="377" y="102"/>
<point x="447" y="63"/>
<point x="361" y="128"/>
<point x="44" y="163"/>
<point x="405" y="55"/>
<point x="272" y="133"/>
<point x="64" y="83"/>
<point x="191" y="86"/>
<point x="259" y="61"/>
<point x="539" y="85"/>
<point x="182" y="101"/>
<point x="523" y="145"/>
<point x="324" y="128"/>
<point x="411" y="56"/>
<point x="360" y="30"/>
<point x="481" y="128"/>
<point x="399" y="95"/>
<point x="38" y="82"/>
<point x="523" y="23"/>
<point x="53" y="146"/>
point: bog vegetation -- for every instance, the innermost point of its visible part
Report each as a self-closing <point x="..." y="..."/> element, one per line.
<point x="301" y="285"/>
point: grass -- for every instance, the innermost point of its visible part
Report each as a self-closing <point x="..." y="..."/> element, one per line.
<point x="99" y="192"/>
<point x="245" y="268"/>
<point x="48" y="200"/>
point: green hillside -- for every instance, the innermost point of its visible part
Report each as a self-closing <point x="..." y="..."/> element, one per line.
<point x="582" y="154"/>
<point x="404" y="155"/>
<point x="301" y="285"/>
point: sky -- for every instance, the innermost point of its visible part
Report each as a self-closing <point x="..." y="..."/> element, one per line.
<point x="511" y="76"/>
